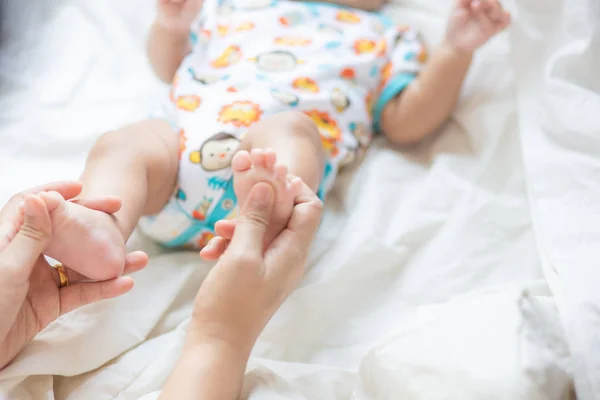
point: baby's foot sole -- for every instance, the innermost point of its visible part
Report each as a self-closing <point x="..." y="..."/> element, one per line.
<point x="87" y="241"/>
<point x="261" y="166"/>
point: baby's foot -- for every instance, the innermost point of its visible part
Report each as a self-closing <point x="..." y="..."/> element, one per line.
<point x="87" y="241"/>
<point x="259" y="166"/>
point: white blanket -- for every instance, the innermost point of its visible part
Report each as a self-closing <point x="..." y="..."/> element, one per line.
<point x="463" y="269"/>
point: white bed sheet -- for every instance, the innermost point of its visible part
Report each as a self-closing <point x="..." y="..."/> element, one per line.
<point x="428" y="278"/>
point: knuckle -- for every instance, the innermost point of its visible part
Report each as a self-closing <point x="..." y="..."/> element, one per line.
<point x="248" y="259"/>
<point x="256" y="219"/>
<point x="317" y="206"/>
<point x="36" y="234"/>
<point x="242" y="257"/>
<point x="84" y="297"/>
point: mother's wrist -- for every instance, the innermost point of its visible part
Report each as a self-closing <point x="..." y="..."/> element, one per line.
<point x="202" y="333"/>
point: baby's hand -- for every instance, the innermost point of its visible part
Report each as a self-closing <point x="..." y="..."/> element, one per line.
<point x="474" y="22"/>
<point x="177" y="15"/>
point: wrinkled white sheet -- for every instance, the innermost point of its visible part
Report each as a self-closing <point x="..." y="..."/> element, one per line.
<point x="429" y="277"/>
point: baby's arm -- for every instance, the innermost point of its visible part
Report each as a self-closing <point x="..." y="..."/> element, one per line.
<point x="168" y="42"/>
<point x="429" y="100"/>
<point x="166" y="50"/>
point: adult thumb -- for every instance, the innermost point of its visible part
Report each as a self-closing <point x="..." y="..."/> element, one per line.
<point x="255" y="215"/>
<point x="31" y="240"/>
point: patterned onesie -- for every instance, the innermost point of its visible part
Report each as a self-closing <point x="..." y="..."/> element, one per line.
<point x="254" y="58"/>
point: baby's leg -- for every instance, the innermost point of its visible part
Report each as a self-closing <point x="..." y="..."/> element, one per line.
<point x="138" y="164"/>
<point x="294" y="142"/>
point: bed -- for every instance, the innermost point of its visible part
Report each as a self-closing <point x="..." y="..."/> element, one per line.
<point x="466" y="268"/>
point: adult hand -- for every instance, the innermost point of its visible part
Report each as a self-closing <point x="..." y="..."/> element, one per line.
<point x="248" y="285"/>
<point x="241" y="293"/>
<point x="30" y="297"/>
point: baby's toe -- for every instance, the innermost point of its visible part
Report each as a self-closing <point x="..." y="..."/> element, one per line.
<point x="295" y="186"/>
<point x="241" y="161"/>
<point x="53" y="200"/>
<point x="281" y="172"/>
<point x="258" y="158"/>
<point x="270" y="158"/>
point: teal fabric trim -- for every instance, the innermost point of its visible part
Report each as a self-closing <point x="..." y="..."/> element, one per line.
<point x="386" y="21"/>
<point x="324" y="182"/>
<point x="391" y="90"/>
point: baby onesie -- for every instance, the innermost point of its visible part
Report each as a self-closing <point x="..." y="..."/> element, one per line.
<point x="254" y="58"/>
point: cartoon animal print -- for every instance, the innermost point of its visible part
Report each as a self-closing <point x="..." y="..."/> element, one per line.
<point x="339" y="100"/>
<point x="182" y="142"/>
<point x="217" y="183"/>
<point x="188" y="103"/>
<point x="291" y="19"/>
<point x="228" y="57"/>
<point x="245" y="26"/>
<point x="370" y="102"/>
<point x="305" y="85"/>
<point x="381" y="47"/>
<point x="223" y="29"/>
<point x="348" y="159"/>
<point x="364" y="46"/>
<point x="240" y="113"/>
<point x="289" y="99"/>
<point x="276" y="61"/>
<point x="328" y="129"/>
<point x="204" y="78"/>
<point x="292" y="41"/>
<point x="378" y="27"/>
<point x="348" y="17"/>
<point x="205" y="35"/>
<point x="386" y="74"/>
<point x="180" y="194"/>
<point x="334" y="44"/>
<point x="216" y="153"/>
<point x="174" y="88"/>
<point x="423" y="55"/>
<point x="348" y="74"/>
<point x="325" y="29"/>
<point x="361" y="133"/>
<point x="204" y="238"/>
<point x="402" y="31"/>
<point x="201" y="211"/>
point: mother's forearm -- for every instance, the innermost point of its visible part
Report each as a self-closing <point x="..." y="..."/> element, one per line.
<point x="207" y="369"/>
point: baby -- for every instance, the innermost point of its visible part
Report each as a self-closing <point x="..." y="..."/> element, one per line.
<point x="262" y="90"/>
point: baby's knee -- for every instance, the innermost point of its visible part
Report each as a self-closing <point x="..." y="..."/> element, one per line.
<point x="298" y="123"/>
<point x="131" y="139"/>
<point x="112" y="142"/>
<point x="289" y="123"/>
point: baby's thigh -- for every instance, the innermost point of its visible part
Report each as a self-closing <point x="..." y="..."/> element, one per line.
<point x="203" y="193"/>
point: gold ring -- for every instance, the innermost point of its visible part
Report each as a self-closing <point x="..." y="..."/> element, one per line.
<point x="62" y="275"/>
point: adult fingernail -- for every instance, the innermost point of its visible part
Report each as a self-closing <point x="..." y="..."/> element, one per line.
<point x="29" y="207"/>
<point x="210" y="245"/>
